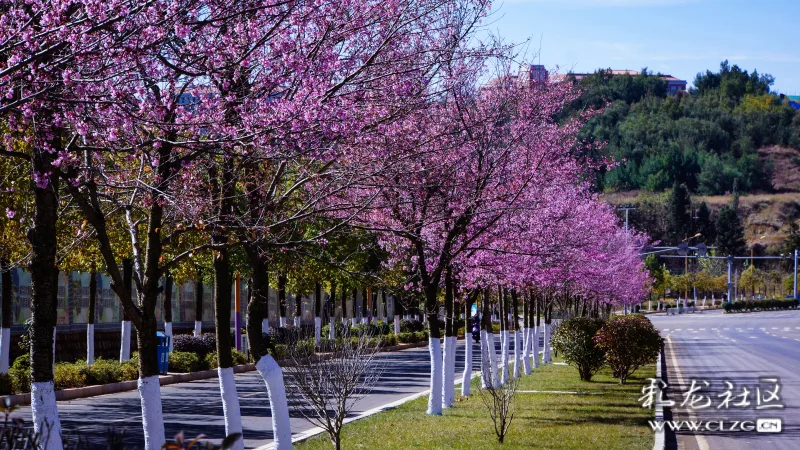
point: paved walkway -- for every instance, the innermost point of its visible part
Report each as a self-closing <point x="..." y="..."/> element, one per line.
<point x="196" y="407"/>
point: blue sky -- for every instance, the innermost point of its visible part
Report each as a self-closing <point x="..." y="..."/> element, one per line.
<point x="678" y="37"/>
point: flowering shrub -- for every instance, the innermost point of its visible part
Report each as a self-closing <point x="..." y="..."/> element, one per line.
<point x="629" y="343"/>
<point x="574" y="340"/>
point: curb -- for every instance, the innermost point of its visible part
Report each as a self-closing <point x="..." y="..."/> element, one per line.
<point x="123" y="386"/>
<point x="164" y="380"/>
<point x="660" y="438"/>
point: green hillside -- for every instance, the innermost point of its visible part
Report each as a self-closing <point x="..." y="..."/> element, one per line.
<point x="730" y="126"/>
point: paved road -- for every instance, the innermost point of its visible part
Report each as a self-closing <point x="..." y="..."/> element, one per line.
<point x="196" y="407"/>
<point x="741" y="349"/>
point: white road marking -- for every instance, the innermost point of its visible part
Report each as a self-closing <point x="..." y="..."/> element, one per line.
<point x="702" y="329"/>
<point x="702" y="444"/>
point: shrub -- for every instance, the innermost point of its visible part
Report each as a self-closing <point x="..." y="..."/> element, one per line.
<point x="20" y="374"/>
<point x="411" y="326"/>
<point x="103" y="371"/>
<point x="184" y="362"/>
<point x="69" y="375"/>
<point x="389" y="340"/>
<point x="407" y="337"/>
<point x="574" y="340"/>
<point x="200" y="345"/>
<point x="210" y="361"/>
<point x="338" y="327"/>
<point x="279" y="352"/>
<point x="130" y="369"/>
<point x="629" y="342"/>
<point x="6" y="384"/>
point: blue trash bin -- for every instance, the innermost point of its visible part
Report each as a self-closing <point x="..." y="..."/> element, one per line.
<point x="163" y="352"/>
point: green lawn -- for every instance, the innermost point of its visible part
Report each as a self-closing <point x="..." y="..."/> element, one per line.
<point x="611" y="419"/>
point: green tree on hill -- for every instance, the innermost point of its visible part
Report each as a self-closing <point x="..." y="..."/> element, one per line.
<point x="730" y="231"/>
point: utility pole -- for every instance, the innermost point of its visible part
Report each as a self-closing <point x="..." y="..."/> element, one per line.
<point x="730" y="278"/>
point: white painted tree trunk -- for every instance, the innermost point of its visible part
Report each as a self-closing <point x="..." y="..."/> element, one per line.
<point x="198" y="327"/>
<point x="89" y="344"/>
<point x="526" y="351"/>
<point x="535" y="351"/>
<point x="125" y="345"/>
<point x="353" y="321"/>
<point x="273" y="378"/>
<point x="493" y="368"/>
<point x="297" y="321"/>
<point x="486" y="373"/>
<point x="704" y="302"/>
<point x="332" y="329"/>
<point x="317" y="330"/>
<point x="435" y="398"/>
<point x="517" y="353"/>
<point x="504" y="337"/>
<point x="264" y="326"/>
<point x="466" y="377"/>
<point x="396" y="324"/>
<point x="152" y="417"/>
<point x="448" y="388"/>
<point x="547" y="358"/>
<point x="5" y="349"/>
<point x="282" y="322"/>
<point x="230" y="405"/>
<point x="168" y="332"/>
<point x="45" y="415"/>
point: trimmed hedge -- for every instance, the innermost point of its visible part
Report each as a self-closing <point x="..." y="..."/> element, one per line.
<point x="760" y="305"/>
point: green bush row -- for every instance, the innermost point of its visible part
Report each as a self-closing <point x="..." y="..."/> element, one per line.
<point x="760" y="305"/>
<point x="185" y="362"/>
<point x="70" y="375"/>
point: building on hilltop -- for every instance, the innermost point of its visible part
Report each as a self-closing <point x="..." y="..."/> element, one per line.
<point x="674" y="85"/>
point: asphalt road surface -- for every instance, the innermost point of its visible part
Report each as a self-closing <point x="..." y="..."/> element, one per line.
<point x="196" y="408"/>
<point x="748" y="350"/>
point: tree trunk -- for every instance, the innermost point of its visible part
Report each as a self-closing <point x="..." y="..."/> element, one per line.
<point x="5" y="330"/>
<point x="125" y="340"/>
<point x="332" y="322"/>
<point x="537" y="330"/>
<point x="223" y="283"/>
<point x="547" y="330"/>
<point x="317" y="313"/>
<point x="90" y="319"/>
<point x="517" y="334"/>
<point x="364" y="307"/>
<point x="298" y="309"/>
<point x="526" y="334"/>
<point x="265" y="364"/>
<point x="354" y="318"/>
<point x="435" y="350"/>
<point x="282" y="297"/>
<point x="492" y="375"/>
<point x="504" y="335"/>
<point x="168" y="310"/>
<point x="448" y="388"/>
<point x="198" y="304"/>
<point x="466" y="377"/>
